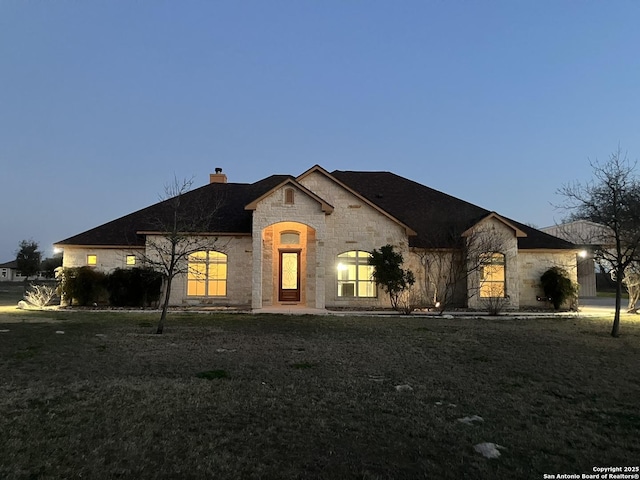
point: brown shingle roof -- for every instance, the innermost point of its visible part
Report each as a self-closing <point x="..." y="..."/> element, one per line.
<point x="438" y="219"/>
<point x="231" y="216"/>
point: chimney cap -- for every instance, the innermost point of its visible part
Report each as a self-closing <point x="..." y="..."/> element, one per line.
<point x="218" y="170"/>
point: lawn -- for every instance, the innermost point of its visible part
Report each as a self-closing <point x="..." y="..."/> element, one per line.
<point x="233" y="396"/>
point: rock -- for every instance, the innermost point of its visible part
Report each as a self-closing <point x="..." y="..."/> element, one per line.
<point x="22" y="305"/>
<point x="488" y="449"/>
<point x="404" y="388"/>
<point x="59" y="332"/>
<point x="470" y="420"/>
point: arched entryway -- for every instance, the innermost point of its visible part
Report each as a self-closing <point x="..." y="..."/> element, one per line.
<point x="288" y="264"/>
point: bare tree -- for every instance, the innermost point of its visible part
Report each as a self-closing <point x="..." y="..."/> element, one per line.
<point x="447" y="271"/>
<point x="611" y="199"/>
<point x="182" y="226"/>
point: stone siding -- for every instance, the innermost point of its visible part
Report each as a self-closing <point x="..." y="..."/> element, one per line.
<point x="238" y="251"/>
<point x="307" y="213"/>
<point x="108" y="259"/>
<point x="353" y="225"/>
<point x="533" y="263"/>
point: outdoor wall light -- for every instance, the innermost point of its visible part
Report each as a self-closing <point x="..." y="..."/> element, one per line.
<point x="582" y="254"/>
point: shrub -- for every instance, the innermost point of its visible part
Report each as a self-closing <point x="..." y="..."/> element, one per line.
<point x="135" y="287"/>
<point x="557" y="286"/>
<point x="40" y="295"/>
<point x="495" y="305"/>
<point x="388" y="272"/>
<point x="83" y="286"/>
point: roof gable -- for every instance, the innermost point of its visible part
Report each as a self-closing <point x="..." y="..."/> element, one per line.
<point x="318" y="169"/>
<point x="494" y="216"/>
<point x="324" y="206"/>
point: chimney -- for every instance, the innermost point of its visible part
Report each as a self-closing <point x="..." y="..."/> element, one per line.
<point x="217" y="177"/>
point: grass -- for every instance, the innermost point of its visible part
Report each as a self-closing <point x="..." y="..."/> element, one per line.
<point x="293" y="397"/>
<point x="11" y="293"/>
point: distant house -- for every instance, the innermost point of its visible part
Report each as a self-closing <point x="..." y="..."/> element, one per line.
<point x="306" y="240"/>
<point x="588" y="237"/>
<point x="9" y="273"/>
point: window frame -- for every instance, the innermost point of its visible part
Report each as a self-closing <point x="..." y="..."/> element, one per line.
<point x="495" y="261"/>
<point x="290" y="232"/>
<point x="357" y="262"/>
<point x="209" y="274"/>
<point x="289" y="196"/>
<point x="91" y="256"/>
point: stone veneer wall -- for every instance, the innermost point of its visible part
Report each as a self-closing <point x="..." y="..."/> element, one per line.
<point x="440" y="271"/>
<point x="108" y="258"/>
<point x="353" y="225"/>
<point x="499" y="238"/>
<point x="533" y="263"/>
<point x="271" y="211"/>
<point x="238" y="251"/>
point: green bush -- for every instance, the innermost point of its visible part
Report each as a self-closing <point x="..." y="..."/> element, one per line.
<point x="557" y="286"/>
<point x="83" y="286"/>
<point x="134" y="287"/>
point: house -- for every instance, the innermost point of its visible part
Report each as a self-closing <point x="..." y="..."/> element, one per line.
<point x="588" y="237"/>
<point x="9" y="273"/>
<point x="305" y="240"/>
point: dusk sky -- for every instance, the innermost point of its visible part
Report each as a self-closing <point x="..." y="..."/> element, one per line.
<point x="499" y="103"/>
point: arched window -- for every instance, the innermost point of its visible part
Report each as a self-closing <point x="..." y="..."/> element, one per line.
<point x="355" y="275"/>
<point x="207" y="275"/>
<point x="492" y="275"/>
<point x="290" y="238"/>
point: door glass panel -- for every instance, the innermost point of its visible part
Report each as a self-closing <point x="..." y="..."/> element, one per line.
<point x="289" y="271"/>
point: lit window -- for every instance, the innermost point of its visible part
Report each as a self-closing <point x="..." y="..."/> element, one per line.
<point x="130" y="260"/>
<point x="355" y="275"/>
<point x="207" y="275"/>
<point x="92" y="259"/>
<point x="289" y="196"/>
<point x="492" y="275"/>
<point x="290" y="238"/>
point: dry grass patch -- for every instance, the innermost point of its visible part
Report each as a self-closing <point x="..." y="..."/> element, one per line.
<point x="314" y="397"/>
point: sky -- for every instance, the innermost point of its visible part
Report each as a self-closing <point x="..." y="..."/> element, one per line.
<point x="500" y="103"/>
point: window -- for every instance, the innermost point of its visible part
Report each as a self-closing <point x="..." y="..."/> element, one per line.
<point x="130" y="260"/>
<point x="92" y="260"/>
<point x="290" y="238"/>
<point x="207" y="275"/>
<point x="4" y="273"/>
<point x="289" y="196"/>
<point x="355" y="275"/>
<point x="492" y="275"/>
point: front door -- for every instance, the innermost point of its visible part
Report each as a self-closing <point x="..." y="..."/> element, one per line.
<point x="289" y="286"/>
